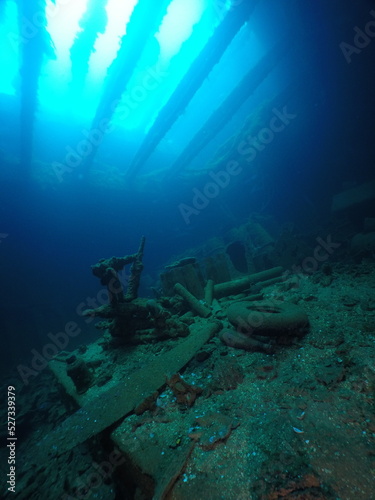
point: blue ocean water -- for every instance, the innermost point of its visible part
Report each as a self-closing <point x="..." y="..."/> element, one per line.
<point x="177" y="121"/>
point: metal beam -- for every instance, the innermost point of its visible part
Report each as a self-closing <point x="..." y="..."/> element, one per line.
<point x="199" y="70"/>
<point x="33" y="53"/>
<point x="144" y="22"/>
<point x="250" y="82"/>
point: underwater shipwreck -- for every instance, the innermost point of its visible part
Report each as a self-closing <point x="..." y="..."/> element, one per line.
<point x="236" y="380"/>
<point x="221" y="187"/>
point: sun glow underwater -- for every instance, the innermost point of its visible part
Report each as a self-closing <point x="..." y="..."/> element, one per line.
<point x="65" y="20"/>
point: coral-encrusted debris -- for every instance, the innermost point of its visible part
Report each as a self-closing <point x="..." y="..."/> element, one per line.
<point x="185" y="393"/>
<point x="306" y="488"/>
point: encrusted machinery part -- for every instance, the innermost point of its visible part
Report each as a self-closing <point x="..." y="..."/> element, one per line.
<point x="121" y="399"/>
